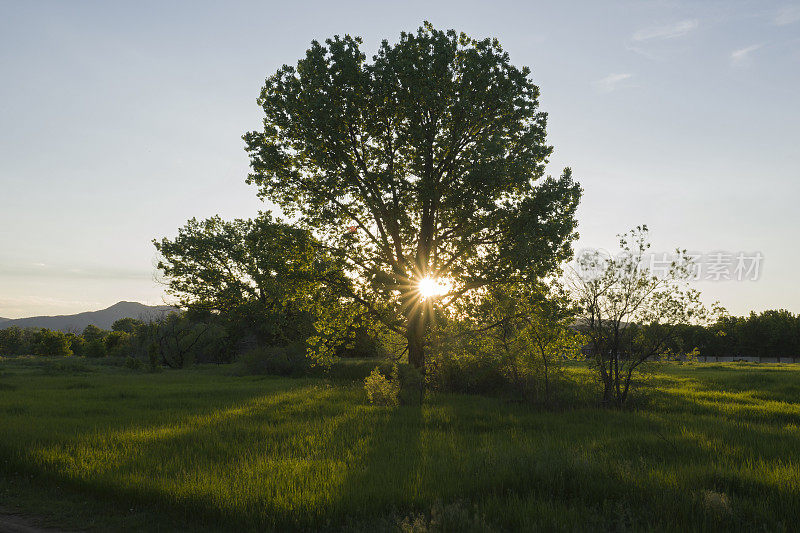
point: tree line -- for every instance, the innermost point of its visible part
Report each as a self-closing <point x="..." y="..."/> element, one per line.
<point x="769" y="334"/>
<point x="171" y="340"/>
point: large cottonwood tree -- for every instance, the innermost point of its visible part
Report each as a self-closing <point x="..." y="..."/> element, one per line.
<point x="426" y="162"/>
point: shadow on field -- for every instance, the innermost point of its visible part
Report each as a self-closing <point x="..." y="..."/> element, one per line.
<point x="270" y="461"/>
<point x="389" y="476"/>
<point x="294" y="454"/>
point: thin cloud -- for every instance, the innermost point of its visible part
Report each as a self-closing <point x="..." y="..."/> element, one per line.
<point x="742" y="57"/>
<point x="42" y="270"/>
<point x="612" y="82"/>
<point x="669" y="31"/>
<point x="22" y="307"/>
<point x="787" y="15"/>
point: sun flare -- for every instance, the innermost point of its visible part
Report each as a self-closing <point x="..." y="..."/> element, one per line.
<point x="433" y="287"/>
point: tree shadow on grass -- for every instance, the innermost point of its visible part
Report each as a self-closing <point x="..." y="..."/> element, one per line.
<point x="311" y="457"/>
<point x="641" y="472"/>
<point x="386" y="480"/>
<point x="276" y="461"/>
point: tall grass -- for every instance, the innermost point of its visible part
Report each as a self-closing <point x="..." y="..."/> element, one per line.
<point x="713" y="447"/>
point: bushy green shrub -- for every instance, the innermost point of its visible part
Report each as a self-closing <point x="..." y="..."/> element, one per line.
<point x="467" y="373"/>
<point x="65" y="366"/>
<point x="133" y="363"/>
<point x="51" y="343"/>
<point x="290" y="360"/>
<point x="14" y="341"/>
<point x="92" y="332"/>
<point x="382" y="390"/>
<point x="362" y="345"/>
<point x="118" y="344"/>
<point x="95" y="348"/>
<point x="127" y="325"/>
<point x="77" y="344"/>
<point x="153" y="364"/>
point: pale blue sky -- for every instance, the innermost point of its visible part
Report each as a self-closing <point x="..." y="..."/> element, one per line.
<point x="119" y="122"/>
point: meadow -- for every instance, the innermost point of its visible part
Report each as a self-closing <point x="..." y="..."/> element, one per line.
<point x="97" y="446"/>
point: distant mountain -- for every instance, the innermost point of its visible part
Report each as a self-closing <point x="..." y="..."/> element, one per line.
<point x="102" y="319"/>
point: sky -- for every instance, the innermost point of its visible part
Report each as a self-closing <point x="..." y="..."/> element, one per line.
<point x="118" y="122"/>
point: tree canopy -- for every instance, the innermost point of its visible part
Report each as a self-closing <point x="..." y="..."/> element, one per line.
<point x="261" y="274"/>
<point x="426" y="162"/>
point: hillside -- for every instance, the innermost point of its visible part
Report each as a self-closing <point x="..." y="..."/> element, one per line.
<point x="103" y="318"/>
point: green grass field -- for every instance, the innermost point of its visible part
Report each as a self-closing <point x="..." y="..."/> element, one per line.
<point x="102" y="447"/>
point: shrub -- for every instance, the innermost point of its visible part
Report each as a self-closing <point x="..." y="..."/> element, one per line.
<point x="14" y="341"/>
<point x="288" y="360"/>
<point x="95" y="348"/>
<point x="127" y="325"/>
<point x="92" y="332"/>
<point x="51" y="343"/>
<point x="77" y="344"/>
<point x="363" y="345"/>
<point x="132" y="363"/>
<point x="467" y="373"/>
<point x="64" y="366"/>
<point x="118" y="344"/>
<point x="382" y="390"/>
<point x="215" y="346"/>
<point x="152" y="357"/>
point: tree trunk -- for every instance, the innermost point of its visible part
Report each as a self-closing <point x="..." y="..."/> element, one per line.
<point x="608" y="393"/>
<point x="608" y="388"/>
<point x="415" y="333"/>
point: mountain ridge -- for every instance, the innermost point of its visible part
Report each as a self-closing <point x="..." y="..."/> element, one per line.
<point x="102" y="318"/>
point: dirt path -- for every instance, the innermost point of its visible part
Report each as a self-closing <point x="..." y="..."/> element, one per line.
<point x="14" y="523"/>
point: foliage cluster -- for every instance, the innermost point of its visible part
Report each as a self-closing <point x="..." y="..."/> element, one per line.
<point x="38" y="341"/>
<point x="382" y="390"/>
<point x="289" y="360"/>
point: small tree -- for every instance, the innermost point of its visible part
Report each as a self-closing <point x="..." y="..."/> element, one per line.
<point x="13" y="341"/>
<point x="629" y="313"/>
<point x="532" y="328"/>
<point x="95" y="348"/>
<point x="551" y="340"/>
<point x="92" y="333"/>
<point x="127" y="325"/>
<point x="77" y="344"/>
<point x="48" y="342"/>
<point x="118" y="344"/>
